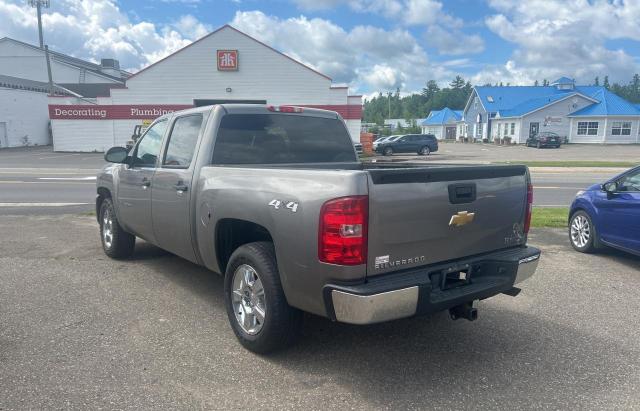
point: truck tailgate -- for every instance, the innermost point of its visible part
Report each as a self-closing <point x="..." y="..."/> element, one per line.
<point x="420" y="216"/>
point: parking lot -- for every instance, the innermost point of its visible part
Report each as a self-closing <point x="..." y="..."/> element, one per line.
<point x="80" y="330"/>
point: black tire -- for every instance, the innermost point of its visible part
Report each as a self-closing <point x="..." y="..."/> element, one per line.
<point x="539" y="145"/>
<point x="424" y="151"/>
<point x="387" y="151"/>
<point x="577" y="219"/>
<point x="121" y="244"/>
<point x="282" y="323"/>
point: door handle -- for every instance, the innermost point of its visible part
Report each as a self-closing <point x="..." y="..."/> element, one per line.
<point x="181" y="188"/>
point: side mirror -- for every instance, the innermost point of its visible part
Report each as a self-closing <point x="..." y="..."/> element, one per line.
<point x="116" y="155"/>
<point x="610" y="187"/>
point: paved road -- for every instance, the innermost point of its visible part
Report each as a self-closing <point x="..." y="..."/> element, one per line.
<point x="81" y="331"/>
<point x="37" y="181"/>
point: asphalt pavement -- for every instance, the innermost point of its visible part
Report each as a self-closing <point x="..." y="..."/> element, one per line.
<point x="39" y="181"/>
<point x="81" y="331"/>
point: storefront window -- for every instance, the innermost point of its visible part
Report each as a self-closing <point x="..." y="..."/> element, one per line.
<point x="587" y="128"/>
<point x="621" y="128"/>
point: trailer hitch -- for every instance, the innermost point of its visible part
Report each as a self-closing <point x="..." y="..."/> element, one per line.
<point x="465" y="310"/>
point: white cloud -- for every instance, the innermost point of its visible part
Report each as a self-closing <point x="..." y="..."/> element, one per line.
<point x="453" y="41"/>
<point x="98" y="29"/>
<point x="365" y="58"/>
<point x="557" y="37"/>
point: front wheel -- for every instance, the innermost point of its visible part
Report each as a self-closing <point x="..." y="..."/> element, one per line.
<point x="424" y="151"/>
<point x="116" y="242"/>
<point x="388" y="151"/>
<point x="582" y="232"/>
<point x="539" y="145"/>
<point x="257" y="308"/>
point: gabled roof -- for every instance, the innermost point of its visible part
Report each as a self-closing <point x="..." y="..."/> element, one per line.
<point x="563" y="80"/>
<point x="534" y="104"/>
<point x="73" y="61"/>
<point x="227" y="26"/>
<point x="439" y="117"/>
<point x="609" y="104"/>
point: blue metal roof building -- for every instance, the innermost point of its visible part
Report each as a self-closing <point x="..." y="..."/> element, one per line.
<point x="442" y="123"/>
<point x="520" y="111"/>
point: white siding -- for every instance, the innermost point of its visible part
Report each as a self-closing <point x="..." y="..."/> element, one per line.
<point x="26" y="115"/>
<point x="83" y="135"/>
<point x="558" y="112"/>
<point x="620" y="139"/>
<point x="263" y="74"/>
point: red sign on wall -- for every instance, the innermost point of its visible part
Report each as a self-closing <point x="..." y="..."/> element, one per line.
<point x="227" y="60"/>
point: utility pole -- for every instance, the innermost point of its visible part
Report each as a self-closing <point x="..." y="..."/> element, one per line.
<point x="39" y="4"/>
<point x="389" y="100"/>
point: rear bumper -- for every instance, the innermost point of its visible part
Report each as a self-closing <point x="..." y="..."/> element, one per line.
<point x="423" y="291"/>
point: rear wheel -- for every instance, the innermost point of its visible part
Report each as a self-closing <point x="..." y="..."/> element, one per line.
<point x="387" y="151"/>
<point x="257" y="308"/>
<point x="582" y="232"/>
<point x="116" y="242"/>
<point x="539" y="145"/>
<point x="424" y="151"/>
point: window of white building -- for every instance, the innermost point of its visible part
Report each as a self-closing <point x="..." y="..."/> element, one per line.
<point x="621" y="128"/>
<point x="513" y="129"/>
<point x="587" y="128"/>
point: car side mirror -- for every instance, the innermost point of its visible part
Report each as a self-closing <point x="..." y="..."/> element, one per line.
<point x="116" y="155"/>
<point x="610" y="188"/>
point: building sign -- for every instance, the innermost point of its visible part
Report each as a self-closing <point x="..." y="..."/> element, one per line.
<point x="551" y="120"/>
<point x="111" y="112"/>
<point x="152" y="111"/>
<point x="227" y="60"/>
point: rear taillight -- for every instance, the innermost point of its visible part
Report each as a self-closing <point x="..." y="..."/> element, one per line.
<point x="342" y="233"/>
<point x="527" y="217"/>
<point x="285" y="109"/>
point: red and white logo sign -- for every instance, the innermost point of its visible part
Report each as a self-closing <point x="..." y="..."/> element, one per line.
<point x="227" y="60"/>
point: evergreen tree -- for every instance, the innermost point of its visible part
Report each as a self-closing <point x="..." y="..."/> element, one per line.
<point x="545" y="82"/>
<point x="536" y="83"/>
<point x="597" y="81"/>
<point x="457" y="83"/>
<point x="605" y="83"/>
<point x="431" y="89"/>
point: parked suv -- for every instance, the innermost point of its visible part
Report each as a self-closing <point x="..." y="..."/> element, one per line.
<point x="422" y="144"/>
<point x="544" y="139"/>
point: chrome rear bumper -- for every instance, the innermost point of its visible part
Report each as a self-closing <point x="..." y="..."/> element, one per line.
<point x="374" y="302"/>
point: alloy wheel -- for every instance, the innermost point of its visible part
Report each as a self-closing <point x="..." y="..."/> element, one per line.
<point x="580" y="231"/>
<point x="107" y="228"/>
<point x="248" y="299"/>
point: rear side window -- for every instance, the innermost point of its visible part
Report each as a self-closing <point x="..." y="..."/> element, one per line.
<point x="182" y="141"/>
<point x="280" y="139"/>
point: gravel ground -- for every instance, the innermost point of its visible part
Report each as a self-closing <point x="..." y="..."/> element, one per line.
<point x="78" y="330"/>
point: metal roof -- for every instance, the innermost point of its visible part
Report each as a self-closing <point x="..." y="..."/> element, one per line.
<point x="609" y="104"/>
<point x="564" y="80"/>
<point x="444" y="116"/>
<point x="533" y="105"/>
<point x="28" y="85"/>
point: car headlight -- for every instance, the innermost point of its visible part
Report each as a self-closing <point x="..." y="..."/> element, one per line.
<point x="579" y="193"/>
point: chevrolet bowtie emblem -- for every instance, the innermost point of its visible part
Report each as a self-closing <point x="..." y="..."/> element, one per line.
<point x="461" y="218"/>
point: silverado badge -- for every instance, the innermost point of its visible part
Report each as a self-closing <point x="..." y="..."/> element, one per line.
<point x="462" y="218"/>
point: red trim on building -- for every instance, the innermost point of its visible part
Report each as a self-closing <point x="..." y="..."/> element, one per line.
<point x="151" y="111"/>
<point x="112" y="111"/>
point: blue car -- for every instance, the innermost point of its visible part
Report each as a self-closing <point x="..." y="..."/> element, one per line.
<point x="608" y="214"/>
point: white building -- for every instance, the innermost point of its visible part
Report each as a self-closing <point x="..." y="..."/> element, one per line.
<point x="442" y="123"/>
<point x="582" y="114"/>
<point x="24" y="86"/>
<point x="225" y="66"/>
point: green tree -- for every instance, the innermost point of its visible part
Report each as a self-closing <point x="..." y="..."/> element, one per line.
<point x="597" y="81"/>
<point x="535" y="83"/>
<point x="457" y="83"/>
<point x="430" y="90"/>
<point x="605" y="83"/>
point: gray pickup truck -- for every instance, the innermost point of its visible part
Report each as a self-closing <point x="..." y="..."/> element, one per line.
<point x="276" y="200"/>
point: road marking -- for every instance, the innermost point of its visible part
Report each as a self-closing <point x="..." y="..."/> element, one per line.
<point x="558" y="188"/>
<point x="41" y="204"/>
<point x="67" y="178"/>
<point x="46" y="182"/>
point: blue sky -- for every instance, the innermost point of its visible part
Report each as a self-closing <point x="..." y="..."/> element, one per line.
<point x="370" y="45"/>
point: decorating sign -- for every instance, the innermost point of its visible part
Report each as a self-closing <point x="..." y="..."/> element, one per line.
<point x="227" y="60"/>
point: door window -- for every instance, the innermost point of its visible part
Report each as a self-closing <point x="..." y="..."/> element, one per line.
<point x="148" y="148"/>
<point x="630" y="182"/>
<point x="182" y="141"/>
